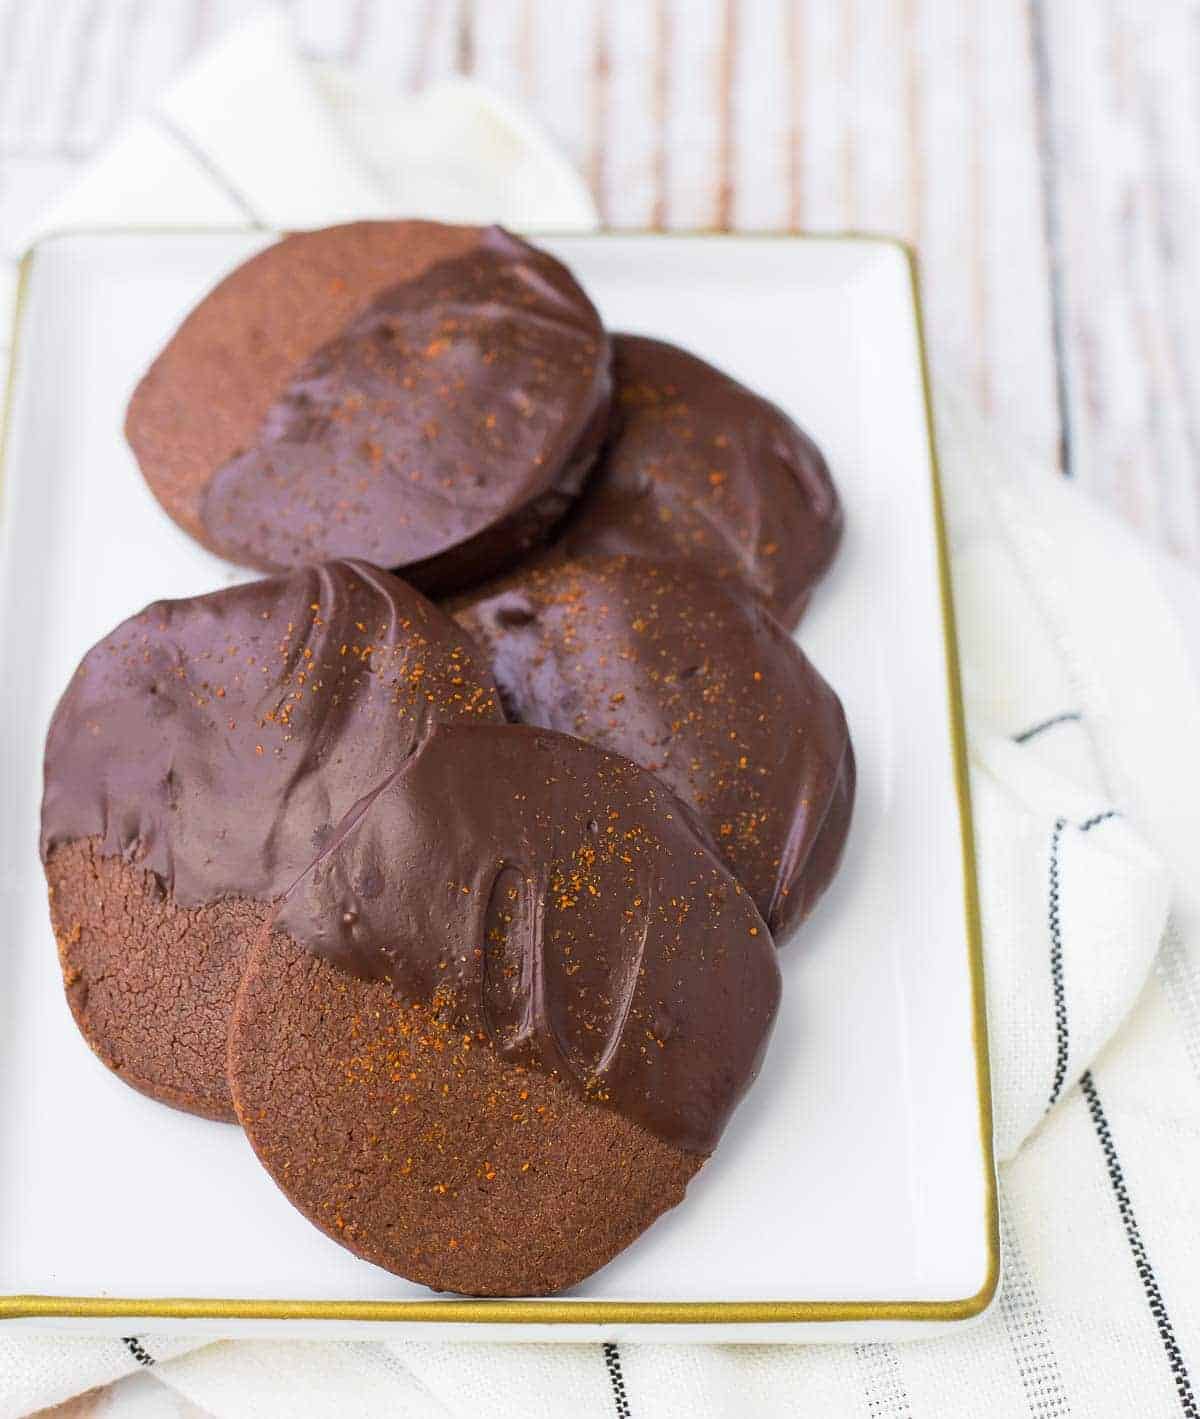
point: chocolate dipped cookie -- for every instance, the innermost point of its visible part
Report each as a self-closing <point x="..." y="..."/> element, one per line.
<point x="700" y="469"/>
<point x="695" y="680"/>
<point x="199" y="760"/>
<point x="428" y="398"/>
<point x="501" y="1022"/>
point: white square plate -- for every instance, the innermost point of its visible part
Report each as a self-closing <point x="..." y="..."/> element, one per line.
<point x="853" y="1191"/>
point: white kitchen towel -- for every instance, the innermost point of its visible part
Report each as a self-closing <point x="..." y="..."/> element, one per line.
<point x="1084" y="720"/>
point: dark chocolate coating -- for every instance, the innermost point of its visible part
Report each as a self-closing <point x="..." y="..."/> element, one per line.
<point x="702" y="470"/>
<point x="696" y="681"/>
<point x="525" y="884"/>
<point x="208" y="748"/>
<point x="442" y="432"/>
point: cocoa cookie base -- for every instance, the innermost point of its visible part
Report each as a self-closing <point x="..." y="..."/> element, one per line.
<point x="413" y="1145"/>
<point x="150" y="984"/>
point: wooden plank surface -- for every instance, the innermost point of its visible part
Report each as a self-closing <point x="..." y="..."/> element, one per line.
<point x="1043" y="155"/>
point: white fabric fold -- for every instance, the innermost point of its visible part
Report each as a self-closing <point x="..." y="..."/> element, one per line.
<point x="1083" y="712"/>
<point x="253" y="134"/>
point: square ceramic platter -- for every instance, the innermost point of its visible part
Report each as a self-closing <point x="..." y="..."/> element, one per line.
<point x="853" y="1193"/>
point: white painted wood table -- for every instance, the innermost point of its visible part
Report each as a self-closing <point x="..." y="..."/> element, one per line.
<point x="1043" y="156"/>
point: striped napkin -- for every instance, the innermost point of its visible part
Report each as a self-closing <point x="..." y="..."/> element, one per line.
<point x="1079" y="657"/>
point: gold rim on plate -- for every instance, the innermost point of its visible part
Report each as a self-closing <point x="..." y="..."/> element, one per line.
<point x="583" y="1312"/>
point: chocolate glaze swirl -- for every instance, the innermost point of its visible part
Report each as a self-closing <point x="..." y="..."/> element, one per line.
<point x="526" y="883"/>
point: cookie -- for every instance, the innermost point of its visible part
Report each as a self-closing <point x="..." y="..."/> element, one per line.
<point x="495" y="1030"/>
<point x="199" y="760"/>
<point x="428" y="398"/>
<point x="696" y="681"/>
<point x="702" y="470"/>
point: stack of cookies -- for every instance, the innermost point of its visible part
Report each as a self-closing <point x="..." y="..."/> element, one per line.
<point x="451" y="857"/>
